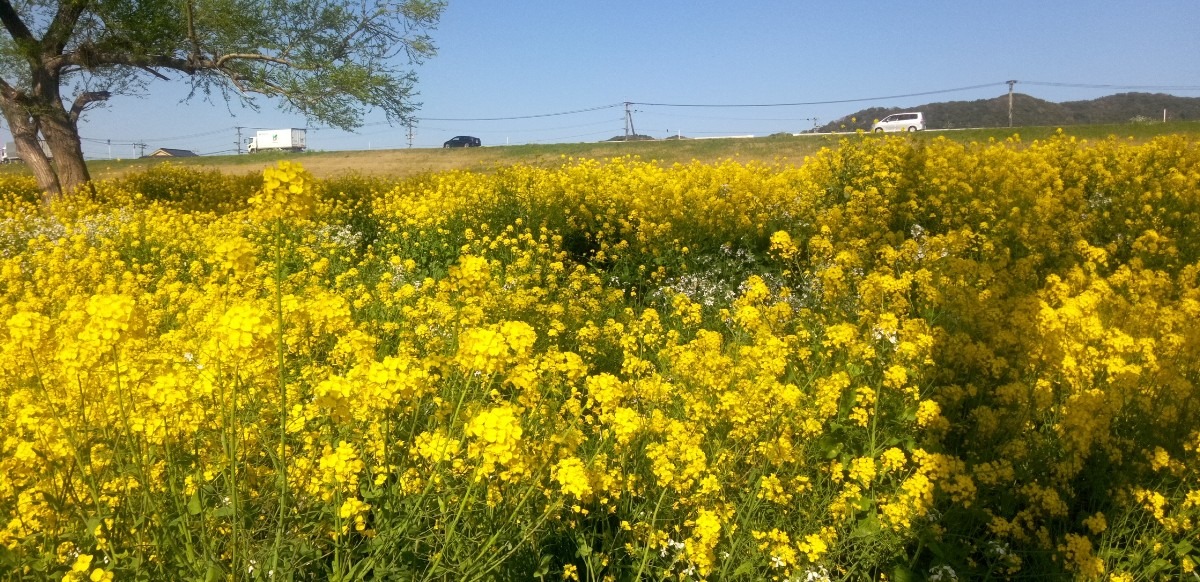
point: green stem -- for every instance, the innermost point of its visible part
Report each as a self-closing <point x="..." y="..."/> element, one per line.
<point x="85" y="472"/>
<point x="450" y="527"/>
<point x="428" y="485"/>
<point x="283" y="401"/>
<point x="653" y="521"/>
<point x="184" y="524"/>
<point x="135" y="449"/>
<point x="230" y="442"/>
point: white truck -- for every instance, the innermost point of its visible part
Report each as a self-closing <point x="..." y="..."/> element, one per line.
<point x="288" y="140"/>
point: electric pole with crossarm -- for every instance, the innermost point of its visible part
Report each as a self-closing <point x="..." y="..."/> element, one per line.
<point x="629" y="130"/>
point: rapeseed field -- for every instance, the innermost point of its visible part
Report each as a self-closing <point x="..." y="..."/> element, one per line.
<point x="900" y="360"/>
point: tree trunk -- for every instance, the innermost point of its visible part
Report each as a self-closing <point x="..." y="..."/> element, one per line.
<point x="58" y="127"/>
<point x="62" y="135"/>
<point x="25" y="135"/>
<point x="43" y="112"/>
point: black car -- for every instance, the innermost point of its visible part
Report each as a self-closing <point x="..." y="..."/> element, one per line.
<point x="462" y="141"/>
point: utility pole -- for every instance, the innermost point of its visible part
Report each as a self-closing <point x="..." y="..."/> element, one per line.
<point x="1010" y="97"/>
<point x="410" y="135"/>
<point x="141" y="147"/>
<point x="629" y="121"/>
<point x="238" y="145"/>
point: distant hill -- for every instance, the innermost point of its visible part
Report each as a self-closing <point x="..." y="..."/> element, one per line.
<point x="634" y="137"/>
<point x="1027" y="110"/>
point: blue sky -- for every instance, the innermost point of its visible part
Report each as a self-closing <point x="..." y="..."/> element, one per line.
<point x="538" y="57"/>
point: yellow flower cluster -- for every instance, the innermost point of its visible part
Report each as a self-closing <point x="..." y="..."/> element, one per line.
<point x="572" y="477"/>
<point x="287" y="193"/>
<point x="79" y="571"/>
<point x="495" y="348"/>
<point x="496" y="435"/>
<point x="906" y="355"/>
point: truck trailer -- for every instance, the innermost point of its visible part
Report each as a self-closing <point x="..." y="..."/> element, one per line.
<point x="289" y="139"/>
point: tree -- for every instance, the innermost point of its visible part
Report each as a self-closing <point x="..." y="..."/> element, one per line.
<point x="330" y="60"/>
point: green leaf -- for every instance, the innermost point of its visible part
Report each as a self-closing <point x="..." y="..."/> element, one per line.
<point x="830" y="445"/>
<point x="745" y="569"/>
<point x="1183" y="548"/>
<point x="585" y="549"/>
<point x="868" y="526"/>
<point x="1158" y="565"/>
<point x="193" y="505"/>
<point x="543" y="567"/>
<point x="937" y="550"/>
<point x="901" y="573"/>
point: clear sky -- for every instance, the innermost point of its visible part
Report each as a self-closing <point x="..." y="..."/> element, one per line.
<point x="538" y="57"/>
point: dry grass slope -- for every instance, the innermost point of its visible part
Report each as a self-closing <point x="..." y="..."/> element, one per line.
<point x="782" y="149"/>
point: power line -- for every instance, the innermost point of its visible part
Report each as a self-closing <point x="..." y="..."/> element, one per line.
<point x="177" y="138"/>
<point x="589" y="109"/>
<point x="676" y="116"/>
<point x="1128" y="87"/>
<point x="829" y="102"/>
<point x="576" y="126"/>
<point x="512" y="118"/>
<point x="192" y="136"/>
<point x="494" y="131"/>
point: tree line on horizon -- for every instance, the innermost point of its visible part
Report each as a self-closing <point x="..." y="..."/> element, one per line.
<point x="1031" y="111"/>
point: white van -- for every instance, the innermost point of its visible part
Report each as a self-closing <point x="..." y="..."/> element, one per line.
<point x="911" y="121"/>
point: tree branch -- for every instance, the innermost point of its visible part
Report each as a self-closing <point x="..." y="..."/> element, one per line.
<point x="266" y="87"/>
<point x="155" y="73"/>
<point x="13" y="23"/>
<point x="224" y="59"/>
<point x="13" y="95"/>
<point x="190" y="8"/>
<point x="84" y="99"/>
<point x="87" y="58"/>
<point x="63" y="26"/>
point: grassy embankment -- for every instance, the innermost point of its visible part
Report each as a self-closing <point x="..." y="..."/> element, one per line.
<point x="782" y="149"/>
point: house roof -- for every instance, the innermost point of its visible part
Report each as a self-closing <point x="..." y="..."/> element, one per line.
<point x="171" y="153"/>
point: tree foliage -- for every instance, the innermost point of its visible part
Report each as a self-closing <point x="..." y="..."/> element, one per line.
<point x="330" y="60"/>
